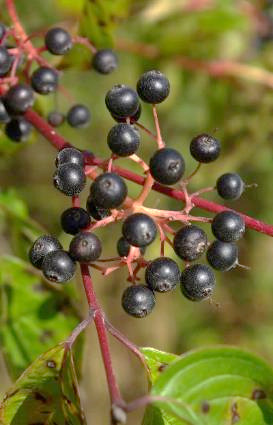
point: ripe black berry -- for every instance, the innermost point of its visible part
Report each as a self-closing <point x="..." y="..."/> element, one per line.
<point x="167" y="166"/>
<point x="139" y="229"/>
<point x="5" y="61"/>
<point x="78" y="116"/>
<point x="197" y="282"/>
<point x="222" y="256"/>
<point x="162" y="274"/>
<point x="41" y="247"/>
<point x="85" y="247"/>
<point x="108" y="190"/>
<point x="18" y="129"/>
<point x="228" y="226"/>
<point x="58" y="266"/>
<point x="205" y="148"/>
<point x="138" y="300"/>
<point x="44" y="80"/>
<point x="19" y="98"/>
<point x="123" y="247"/>
<point x="55" y="118"/>
<point x="123" y="139"/>
<point x="153" y="87"/>
<point x="190" y="242"/>
<point x="58" y="41"/>
<point x="4" y="116"/>
<point x="74" y="219"/>
<point x="98" y="213"/>
<point x="122" y="101"/>
<point x="134" y="118"/>
<point x="105" y="61"/>
<point x="230" y="186"/>
<point x="69" y="156"/>
<point x="69" y="179"/>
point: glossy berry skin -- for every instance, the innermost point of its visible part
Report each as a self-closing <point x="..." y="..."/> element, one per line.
<point x="162" y="274"/>
<point x="105" y="61"/>
<point x="18" y="129"/>
<point x="4" y="116"/>
<point x="123" y="139"/>
<point x="69" y="179"/>
<point x="197" y="282"/>
<point x="138" y="300"/>
<point x="44" y="80"/>
<point x="222" y="256"/>
<point x="58" y="266"/>
<point x="228" y="226"/>
<point x="19" y="98"/>
<point x="69" y="156"/>
<point x="122" y="101"/>
<point x="205" y="148"/>
<point x="55" y="118"/>
<point x="123" y="247"/>
<point x="74" y="219"/>
<point x="230" y="186"/>
<point x="96" y="212"/>
<point x="134" y="118"/>
<point x="85" y="247"/>
<point x="190" y="242"/>
<point x="5" y="61"/>
<point x="139" y="229"/>
<point x="41" y="247"/>
<point x="78" y="116"/>
<point x="153" y="87"/>
<point x="108" y="190"/>
<point x="58" y="41"/>
<point x="167" y="166"/>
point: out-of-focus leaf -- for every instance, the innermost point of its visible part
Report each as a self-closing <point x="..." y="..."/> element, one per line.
<point x="71" y="5"/>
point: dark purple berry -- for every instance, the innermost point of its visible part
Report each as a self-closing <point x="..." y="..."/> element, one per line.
<point x="105" y="61"/>
<point x="19" y="98"/>
<point x="44" y="80"/>
<point x="197" y="282"/>
<point x="108" y="190"/>
<point x="74" y="220"/>
<point x="153" y="87"/>
<point x="230" y="186"/>
<point x="69" y="179"/>
<point x="5" y="61"/>
<point x="41" y="247"/>
<point x="78" y="116"/>
<point x="55" y="118"/>
<point x="58" y="266"/>
<point x="139" y="229"/>
<point x="96" y="212"/>
<point x="162" y="274"/>
<point x="18" y="129"/>
<point x="4" y="116"/>
<point x="123" y="139"/>
<point x="122" y="101"/>
<point x="138" y="300"/>
<point x="134" y="118"/>
<point x="69" y="156"/>
<point x="228" y="226"/>
<point x="85" y="247"/>
<point x="167" y="166"/>
<point x="190" y="242"/>
<point x="58" y="41"/>
<point x="123" y="247"/>
<point x="222" y="256"/>
<point x="205" y="148"/>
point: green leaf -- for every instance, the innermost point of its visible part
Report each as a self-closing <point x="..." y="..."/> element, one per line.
<point x="214" y="386"/>
<point x="157" y="361"/>
<point x="46" y="393"/>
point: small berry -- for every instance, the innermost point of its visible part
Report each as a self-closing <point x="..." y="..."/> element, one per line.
<point x="98" y="213"/>
<point x="18" y="129"/>
<point x="105" y="61"/>
<point x="69" y="156"/>
<point x="58" y="266"/>
<point x="138" y="300"/>
<point x="74" y="219"/>
<point x="44" y="80"/>
<point x="197" y="282"/>
<point x="205" y="148"/>
<point x="78" y="116"/>
<point x="123" y="247"/>
<point x="123" y="139"/>
<point x="70" y="179"/>
<point x="122" y="101"/>
<point x="5" y="61"/>
<point x="230" y="186"/>
<point x="55" y="118"/>
<point x="134" y="118"/>
<point x="162" y="274"/>
<point x="3" y="30"/>
<point x="108" y="190"/>
<point x="190" y="242"/>
<point x="153" y="87"/>
<point x="85" y="247"/>
<point x="228" y="226"/>
<point x="167" y="166"/>
<point x="222" y="256"/>
<point x="139" y="229"/>
<point x="19" y="98"/>
<point x="4" y="116"/>
<point x="41" y="247"/>
<point x="58" y="41"/>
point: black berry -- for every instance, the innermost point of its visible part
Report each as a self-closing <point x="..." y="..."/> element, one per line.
<point x="58" y="266"/>
<point x="123" y="247"/>
<point x="69" y="156"/>
<point x="3" y="30"/>
<point x="123" y="139"/>
<point x="85" y="247"/>
<point x="122" y="101"/>
<point x="139" y="229"/>
<point x="69" y="179"/>
<point x="134" y="118"/>
<point x="98" y="213"/>
<point x="153" y="87"/>
<point x="138" y="300"/>
<point x="18" y="129"/>
<point x="5" y="61"/>
<point x="55" y="118"/>
<point x="44" y="80"/>
<point x="162" y="274"/>
<point x="105" y="61"/>
<point x="190" y="242"/>
<point x="197" y="282"/>
<point x="78" y="116"/>
<point x="19" y="98"/>
<point x="74" y="219"/>
<point x="108" y="190"/>
<point x="58" y="41"/>
<point x="41" y="247"/>
<point x="167" y="166"/>
<point x="222" y="256"/>
<point x="230" y="186"/>
<point x="4" y="116"/>
<point x="228" y="226"/>
<point x="205" y="148"/>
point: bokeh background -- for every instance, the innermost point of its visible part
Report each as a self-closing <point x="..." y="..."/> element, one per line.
<point x="171" y="36"/>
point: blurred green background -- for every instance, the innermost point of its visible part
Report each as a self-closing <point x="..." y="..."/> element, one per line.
<point x="238" y="110"/>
